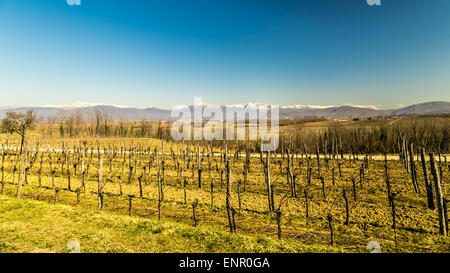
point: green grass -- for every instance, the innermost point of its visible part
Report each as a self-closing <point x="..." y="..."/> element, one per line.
<point x="37" y="226"/>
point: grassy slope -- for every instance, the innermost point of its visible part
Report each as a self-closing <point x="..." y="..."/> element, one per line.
<point x="37" y="226"/>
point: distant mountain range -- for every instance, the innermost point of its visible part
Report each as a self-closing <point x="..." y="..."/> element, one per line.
<point x="434" y="107"/>
<point x="117" y="112"/>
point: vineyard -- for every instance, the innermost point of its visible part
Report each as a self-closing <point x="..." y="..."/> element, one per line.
<point x="303" y="198"/>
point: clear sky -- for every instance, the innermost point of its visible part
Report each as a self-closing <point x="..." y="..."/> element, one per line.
<point x="163" y="53"/>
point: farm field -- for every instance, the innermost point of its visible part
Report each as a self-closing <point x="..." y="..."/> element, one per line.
<point x="336" y="204"/>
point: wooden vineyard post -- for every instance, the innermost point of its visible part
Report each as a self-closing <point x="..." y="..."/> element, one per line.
<point x="330" y="224"/>
<point x="68" y="180"/>
<point x="290" y="176"/>
<point x="140" y="186"/>
<point x="272" y="202"/>
<point x="339" y="167"/>
<point x="332" y="175"/>
<point x="209" y="163"/>
<point x="306" y="204"/>
<point x="413" y="169"/>
<point x="130" y="166"/>
<point x="194" y="207"/>
<point x="386" y="175"/>
<point x="428" y="184"/>
<point x="130" y="204"/>
<point x="347" y="212"/>
<point x="268" y="182"/>
<point x="361" y="172"/>
<point x="439" y="196"/>
<point x="100" y="186"/>
<point x="199" y="178"/>
<point x="184" y="189"/>
<point x="25" y="175"/>
<point x="199" y="164"/>
<point x="318" y="159"/>
<point x="3" y="171"/>
<point x="144" y="173"/>
<point x="354" y="189"/>
<point x="68" y="170"/>
<point x="405" y="155"/>
<point x="323" y="187"/>
<point x="233" y="218"/>
<point x="228" y="196"/>
<point x="160" y="173"/>
<point x="14" y="171"/>
<point x="294" y="178"/>
<point x="78" y="196"/>
<point x="239" y="194"/>
<point x="392" y="202"/>
<point x="160" y="191"/>
<point x="244" y="173"/>
<point x="56" y="195"/>
<point x="40" y="170"/>
<point x="446" y="216"/>
<point x="308" y="170"/>
<point x="52" y="171"/>
<point x="82" y="168"/>
<point x="21" y="166"/>
<point x="102" y="199"/>
<point x="212" y="194"/>
<point x="278" y="218"/>
<point x="75" y="161"/>
<point x="120" y="184"/>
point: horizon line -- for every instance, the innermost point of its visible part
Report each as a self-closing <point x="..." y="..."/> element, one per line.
<point x="80" y="104"/>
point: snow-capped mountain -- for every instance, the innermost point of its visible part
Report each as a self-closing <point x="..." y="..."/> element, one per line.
<point x="120" y="112"/>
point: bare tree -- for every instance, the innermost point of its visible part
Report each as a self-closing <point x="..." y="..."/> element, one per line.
<point x="18" y="123"/>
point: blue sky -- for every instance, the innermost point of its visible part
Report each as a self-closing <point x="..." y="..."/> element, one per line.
<point x="163" y="53"/>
